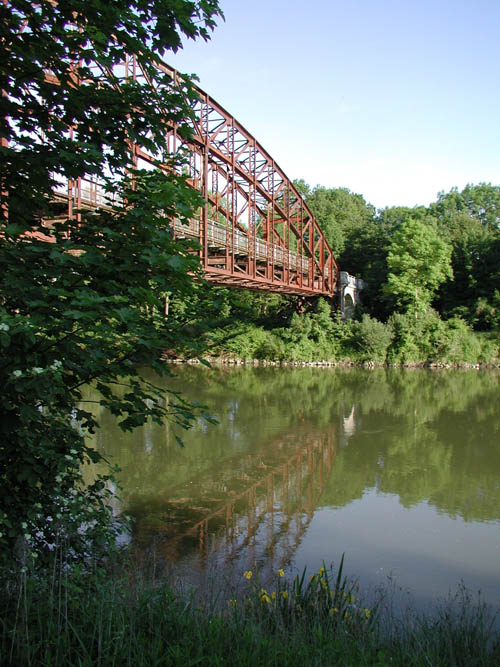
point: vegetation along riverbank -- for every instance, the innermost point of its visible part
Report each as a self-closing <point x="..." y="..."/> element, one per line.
<point x="98" y="617"/>
<point x="431" y="295"/>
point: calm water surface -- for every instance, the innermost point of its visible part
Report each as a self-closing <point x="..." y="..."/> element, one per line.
<point x="399" y="470"/>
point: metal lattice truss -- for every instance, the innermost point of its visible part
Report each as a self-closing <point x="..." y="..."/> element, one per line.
<point x="255" y="230"/>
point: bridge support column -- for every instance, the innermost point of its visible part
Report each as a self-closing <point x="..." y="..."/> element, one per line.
<point x="349" y="294"/>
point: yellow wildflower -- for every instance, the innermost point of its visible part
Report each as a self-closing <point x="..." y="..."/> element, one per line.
<point x="367" y="613"/>
<point x="273" y="595"/>
<point x="284" y="595"/>
<point x="281" y="572"/>
<point x="333" y="611"/>
<point x="265" y="598"/>
<point x="248" y="574"/>
<point x="321" y="571"/>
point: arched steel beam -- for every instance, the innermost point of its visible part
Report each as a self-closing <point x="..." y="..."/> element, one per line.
<point x="263" y="236"/>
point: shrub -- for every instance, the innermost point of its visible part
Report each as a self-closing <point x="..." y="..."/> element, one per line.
<point x="372" y="338"/>
<point x="403" y="348"/>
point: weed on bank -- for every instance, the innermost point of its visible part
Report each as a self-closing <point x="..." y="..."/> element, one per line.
<point x="99" y="618"/>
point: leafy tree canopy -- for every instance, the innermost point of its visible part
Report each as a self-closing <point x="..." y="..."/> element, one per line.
<point x="337" y="210"/>
<point x="418" y="261"/>
<point x="82" y="296"/>
<point x="481" y="202"/>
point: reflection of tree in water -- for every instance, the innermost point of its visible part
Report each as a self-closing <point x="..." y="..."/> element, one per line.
<point x="421" y="435"/>
<point x="425" y="436"/>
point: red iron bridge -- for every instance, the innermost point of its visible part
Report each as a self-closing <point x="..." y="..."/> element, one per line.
<point x="254" y="230"/>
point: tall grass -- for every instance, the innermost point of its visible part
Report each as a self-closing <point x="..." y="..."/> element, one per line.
<point x="100" y="618"/>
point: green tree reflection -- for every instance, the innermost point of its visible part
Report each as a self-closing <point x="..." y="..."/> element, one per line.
<point x="422" y="435"/>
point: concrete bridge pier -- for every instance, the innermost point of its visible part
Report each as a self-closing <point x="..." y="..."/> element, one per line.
<point x="350" y="288"/>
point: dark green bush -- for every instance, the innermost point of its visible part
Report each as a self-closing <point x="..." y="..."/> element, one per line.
<point x="372" y="338"/>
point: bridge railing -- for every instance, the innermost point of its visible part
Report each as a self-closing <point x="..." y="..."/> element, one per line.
<point x="89" y="193"/>
<point x="220" y="236"/>
<point x="85" y="193"/>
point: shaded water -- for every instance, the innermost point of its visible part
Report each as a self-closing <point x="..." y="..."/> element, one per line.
<point x="398" y="469"/>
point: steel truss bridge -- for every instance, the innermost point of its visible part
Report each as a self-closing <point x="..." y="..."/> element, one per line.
<point x="254" y="230"/>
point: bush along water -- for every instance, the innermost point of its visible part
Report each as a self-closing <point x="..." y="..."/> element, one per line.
<point x="318" y="334"/>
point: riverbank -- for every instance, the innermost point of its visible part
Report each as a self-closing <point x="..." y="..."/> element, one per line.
<point x="80" y="618"/>
<point x="316" y="337"/>
<point x="235" y="361"/>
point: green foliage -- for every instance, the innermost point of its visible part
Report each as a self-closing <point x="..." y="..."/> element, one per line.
<point x="405" y="347"/>
<point x="241" y="341"/>
<point x="488" y="311"/>
<point x="365" y="256"/>
<point x="81" y="299"/>
<point x="372" y="338"/>
<point x="418" y="262"/>
<point x="312" y="336"/>
<point x="470" y="221"/>
<point x="317" y="335"/>
<point x="337" y="211"/>
<point x="476" y="262"/>
<point x="480" y="202"/>
<point x="309" y="336"/>
<point x="393" y="218"/>
<point x="86" y="619"/>
<point x="327" y="597"/>
<point x="429" y="338"/>
<point x="446" y="254"/>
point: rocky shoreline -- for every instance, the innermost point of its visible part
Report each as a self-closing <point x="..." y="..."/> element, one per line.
<point x="231" y="361"/>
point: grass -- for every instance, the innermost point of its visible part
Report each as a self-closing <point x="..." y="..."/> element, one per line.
<point x="100" y="618"/>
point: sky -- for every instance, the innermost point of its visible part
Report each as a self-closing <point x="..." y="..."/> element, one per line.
<point x="396" y="100"/>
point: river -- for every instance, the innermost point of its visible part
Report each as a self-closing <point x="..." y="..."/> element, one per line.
<point x="399" y="470"/>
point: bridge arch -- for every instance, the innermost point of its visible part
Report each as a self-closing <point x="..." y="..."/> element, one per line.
<point x="255" y="230"/>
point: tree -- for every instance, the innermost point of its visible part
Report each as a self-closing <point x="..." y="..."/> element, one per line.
<point x="481" y="202"/>
<point x="469" y="220"/>
<point x="365" y="256"/>
<point x="393" y="217"/>
<point x="418" y="262"/>
<point x="337" y="210"/>
<point x="82" y="296"/>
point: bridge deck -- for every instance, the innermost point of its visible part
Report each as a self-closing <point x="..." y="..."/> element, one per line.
<point x="230" y="256"/>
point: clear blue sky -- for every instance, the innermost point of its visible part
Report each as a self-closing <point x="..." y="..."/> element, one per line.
<point x="393" y="99"/>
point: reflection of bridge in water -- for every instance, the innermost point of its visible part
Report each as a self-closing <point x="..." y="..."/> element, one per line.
<point x="253" y="508"/>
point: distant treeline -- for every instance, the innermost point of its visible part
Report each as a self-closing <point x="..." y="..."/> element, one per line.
<point x="432" y="291"/>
